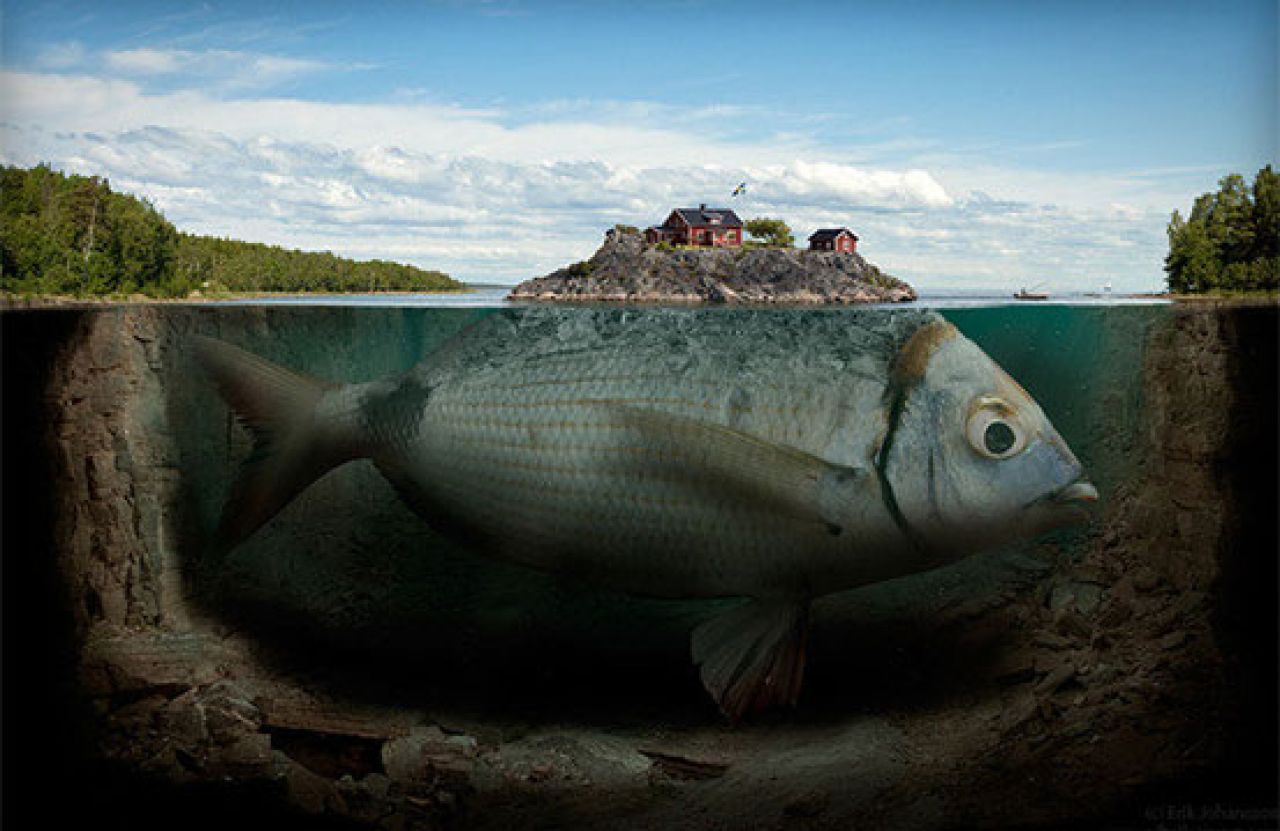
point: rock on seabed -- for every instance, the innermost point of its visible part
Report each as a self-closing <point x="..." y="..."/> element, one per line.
<point x="625" y="268"/>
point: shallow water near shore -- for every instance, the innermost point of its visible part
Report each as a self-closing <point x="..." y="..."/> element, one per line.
<point x="353" y="639"/>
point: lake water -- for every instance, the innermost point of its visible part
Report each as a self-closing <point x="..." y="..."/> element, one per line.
<point x="327" y="556"/>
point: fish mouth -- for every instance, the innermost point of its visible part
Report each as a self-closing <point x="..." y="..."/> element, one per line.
<point x="1067" y="505"/>
<point x="1079" y="493"/>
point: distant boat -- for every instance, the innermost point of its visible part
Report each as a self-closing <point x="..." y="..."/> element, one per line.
<point x="1030" y="294"/>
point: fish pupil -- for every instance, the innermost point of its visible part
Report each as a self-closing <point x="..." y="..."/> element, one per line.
<point x="998" y="437"/>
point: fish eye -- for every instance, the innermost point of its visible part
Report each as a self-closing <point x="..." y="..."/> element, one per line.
<point x="993" y="430"/>
<point x="998" y="437"/>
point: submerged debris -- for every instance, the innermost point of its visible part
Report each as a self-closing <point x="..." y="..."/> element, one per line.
<point x="686" y="767"/>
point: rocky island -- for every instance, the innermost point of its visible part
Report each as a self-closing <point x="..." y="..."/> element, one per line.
<point x="627" y="268"/>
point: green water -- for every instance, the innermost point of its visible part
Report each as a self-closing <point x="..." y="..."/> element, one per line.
<point x="349" y="567"/>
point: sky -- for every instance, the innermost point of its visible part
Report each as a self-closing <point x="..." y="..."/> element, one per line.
<point x="969" y="144"/>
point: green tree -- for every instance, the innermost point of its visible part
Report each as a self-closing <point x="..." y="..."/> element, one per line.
<point x="1230" y="219"/>
<point x="72" y="235"/>
<point x="771" y="232"/>
<point x="1192" y="263"/>
<point x="1231" y="239"/>
<point x="1266" y="213"/>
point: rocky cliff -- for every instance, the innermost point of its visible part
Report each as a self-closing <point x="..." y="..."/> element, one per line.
<point x="627" y="269"/>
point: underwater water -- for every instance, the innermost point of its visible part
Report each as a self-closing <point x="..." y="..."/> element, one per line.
<point x="349" y="624"/>
<point x="315" y="558"/>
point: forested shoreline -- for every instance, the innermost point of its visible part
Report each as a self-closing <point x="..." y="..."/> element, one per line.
<point x="1230" y="242"/>
<point x="72" y="235"/>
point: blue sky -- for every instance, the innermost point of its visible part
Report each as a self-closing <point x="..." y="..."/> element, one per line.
<point x="969" y="144"/>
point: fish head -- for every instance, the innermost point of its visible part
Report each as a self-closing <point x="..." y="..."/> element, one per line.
<point x="971" y="459"/>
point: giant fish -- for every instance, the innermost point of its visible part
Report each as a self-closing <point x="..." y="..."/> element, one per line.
<point x="770" y="456"/>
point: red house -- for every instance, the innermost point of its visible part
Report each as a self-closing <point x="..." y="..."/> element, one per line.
<point x="712" y="227"/>
<point x="834" y="239"/>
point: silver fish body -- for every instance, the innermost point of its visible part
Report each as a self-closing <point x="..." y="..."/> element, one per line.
<point x="525" y="437"/>
<point x="761" y="454"/>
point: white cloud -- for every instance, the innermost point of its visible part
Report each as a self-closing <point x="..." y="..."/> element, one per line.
<point x="226" y="69"/>
<point x="275" y="67"/>
<point x="833" y="181"/>
<point x="147" y="61"/>
<point x="489" y="195"/>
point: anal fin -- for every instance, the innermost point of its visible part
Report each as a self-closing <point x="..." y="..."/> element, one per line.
<point x="751" y="658"/>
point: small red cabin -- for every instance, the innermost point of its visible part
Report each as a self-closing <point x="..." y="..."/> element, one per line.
<point x="834" y="239"/>
<point x="711" y="227"/>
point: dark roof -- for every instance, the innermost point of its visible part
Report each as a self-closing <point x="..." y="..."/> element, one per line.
<point x="704" y="216"/>
<point x="824" y="234"/>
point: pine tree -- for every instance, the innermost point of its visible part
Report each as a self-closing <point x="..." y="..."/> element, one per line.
<point x="1231" y="239"/>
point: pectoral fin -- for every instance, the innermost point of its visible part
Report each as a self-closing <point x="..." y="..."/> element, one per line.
<point x="780" y="478"/>
<point x="751" y="658"/>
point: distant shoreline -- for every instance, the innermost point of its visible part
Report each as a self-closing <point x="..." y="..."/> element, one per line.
<point x="12" y="301"/>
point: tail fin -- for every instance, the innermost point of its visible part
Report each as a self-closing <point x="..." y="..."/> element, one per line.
<point x="291" y="448"/>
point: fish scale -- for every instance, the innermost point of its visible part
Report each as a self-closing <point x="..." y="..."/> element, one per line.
<point x="529" y="448"/>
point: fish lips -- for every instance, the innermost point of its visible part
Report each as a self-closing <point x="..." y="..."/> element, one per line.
<point x="1064" y="506"/>
<point x="1080" y="493"/>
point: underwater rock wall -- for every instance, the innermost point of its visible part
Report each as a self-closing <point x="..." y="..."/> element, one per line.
<point x="1088" y="677"/>
<point x="115" y="472"/>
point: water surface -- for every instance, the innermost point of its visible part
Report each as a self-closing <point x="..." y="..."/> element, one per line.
<point x="486" y="296"/>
